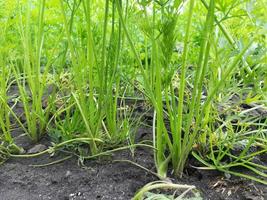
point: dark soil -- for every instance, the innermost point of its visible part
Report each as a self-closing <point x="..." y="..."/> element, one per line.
<point x="67" y="180"/>
<point x="107" y="180"/>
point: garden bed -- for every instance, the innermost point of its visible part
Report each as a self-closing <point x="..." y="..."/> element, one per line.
<point x="107" y="177"/>
<point x="95" y="104"/>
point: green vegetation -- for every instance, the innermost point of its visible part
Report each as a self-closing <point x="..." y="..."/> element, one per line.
<point x="75" y="66"/>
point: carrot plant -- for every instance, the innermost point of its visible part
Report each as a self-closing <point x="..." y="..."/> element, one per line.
<point x="30" y="80"/>
<point x="4" y="112"/>
<point x="94" y="98"/>
<point x="163" y="185"/>
<point x="185" y="116"/>
<point x="233" y="149"/>
<point x="6" y="125"/>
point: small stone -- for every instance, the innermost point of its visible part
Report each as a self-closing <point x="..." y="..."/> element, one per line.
<point x="72" y="195"/>
<point x="37" y="149"/>
<point x="68" y="173"/>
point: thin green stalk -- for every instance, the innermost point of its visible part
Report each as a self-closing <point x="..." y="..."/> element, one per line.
<point x="178" y="137"/>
